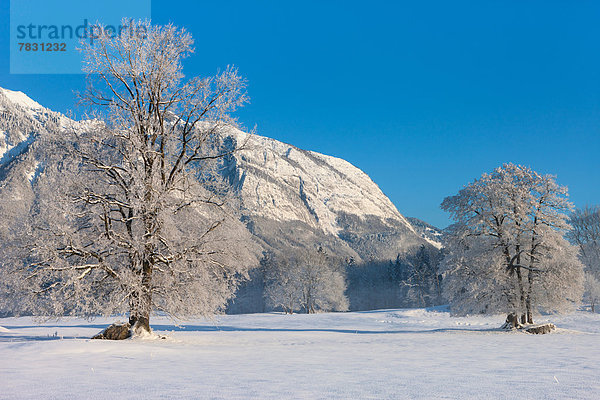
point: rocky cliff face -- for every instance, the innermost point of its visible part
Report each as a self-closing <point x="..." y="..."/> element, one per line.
<point x="288" y="196"/>
<point x="294" y="195"/>
<point x="435" y="236"/>
<point x="22" y="123"/>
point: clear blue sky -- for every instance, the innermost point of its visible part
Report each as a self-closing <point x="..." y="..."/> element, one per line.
<point x="423" y="97"/>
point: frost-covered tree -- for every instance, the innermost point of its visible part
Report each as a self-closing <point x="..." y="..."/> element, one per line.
<point x="507" y="251"/>
<point x="307" y="280"/>
<point x="283" y="289"/>
<point x="585" y="233"/>
<point x="322" y="282"/>
<point x="592" y="290"/>
<point x="131" y="213"/>
<point x="421" y="278"/>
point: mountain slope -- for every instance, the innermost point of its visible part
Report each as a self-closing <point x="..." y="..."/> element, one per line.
<point x="287" y="193"/>
<point x="430" y="233"/>
<point x="22" y="123"/>
<point x="288" y="196"/>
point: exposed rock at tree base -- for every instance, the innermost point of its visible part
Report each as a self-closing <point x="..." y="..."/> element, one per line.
<point x="512" y="322"/>
<point x="115" y="332"/>
<point x="541" y="329"/>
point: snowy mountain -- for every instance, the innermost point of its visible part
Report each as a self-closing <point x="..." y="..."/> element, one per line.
<point x="293" y="195"/>
<point x="22" y="123"/>
<point x="288" y="196"/>
<point x="435" y="236"/>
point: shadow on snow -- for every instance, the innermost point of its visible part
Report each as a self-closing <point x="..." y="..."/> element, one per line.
<point x="10" y="337"/>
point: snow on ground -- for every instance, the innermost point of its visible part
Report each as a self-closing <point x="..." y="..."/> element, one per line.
<point x="385" y="354"/>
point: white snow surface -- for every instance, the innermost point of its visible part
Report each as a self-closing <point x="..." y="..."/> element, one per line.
<point x="385" y="354"/>
<point x="24" y="108"/>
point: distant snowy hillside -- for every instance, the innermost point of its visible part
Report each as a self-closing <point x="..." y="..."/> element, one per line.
<point x="292" y="195"/>
<point x="22" y="123"/>
<point x="284" y="182"/>
<point x="435" y="236"/>
<point x="289" y="196"/>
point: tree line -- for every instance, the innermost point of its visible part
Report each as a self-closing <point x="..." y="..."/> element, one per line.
<point x="308" y="280"/>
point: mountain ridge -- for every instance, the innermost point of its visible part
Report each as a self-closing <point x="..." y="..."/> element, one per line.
<point x="288" y="196"/>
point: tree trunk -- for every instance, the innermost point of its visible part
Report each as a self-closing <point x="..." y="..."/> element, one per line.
<point x="519" y="310"/>
<point x="528" y="300"/>
<point x="139" y="318"/>
<point x="529" y="313"/>
<point x="512" y="321"/>
<point x="140" y="324"/>
<point x="521" y="297"/>
<point x="532" y="252"/>
<point x="308" y="302"/>
<point x="522" y="306"/>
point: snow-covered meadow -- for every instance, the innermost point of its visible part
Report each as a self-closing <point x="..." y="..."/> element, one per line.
<point x="382" y="354"/>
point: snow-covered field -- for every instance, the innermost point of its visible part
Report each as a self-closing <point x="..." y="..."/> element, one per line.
<point x="383" y="354"/>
